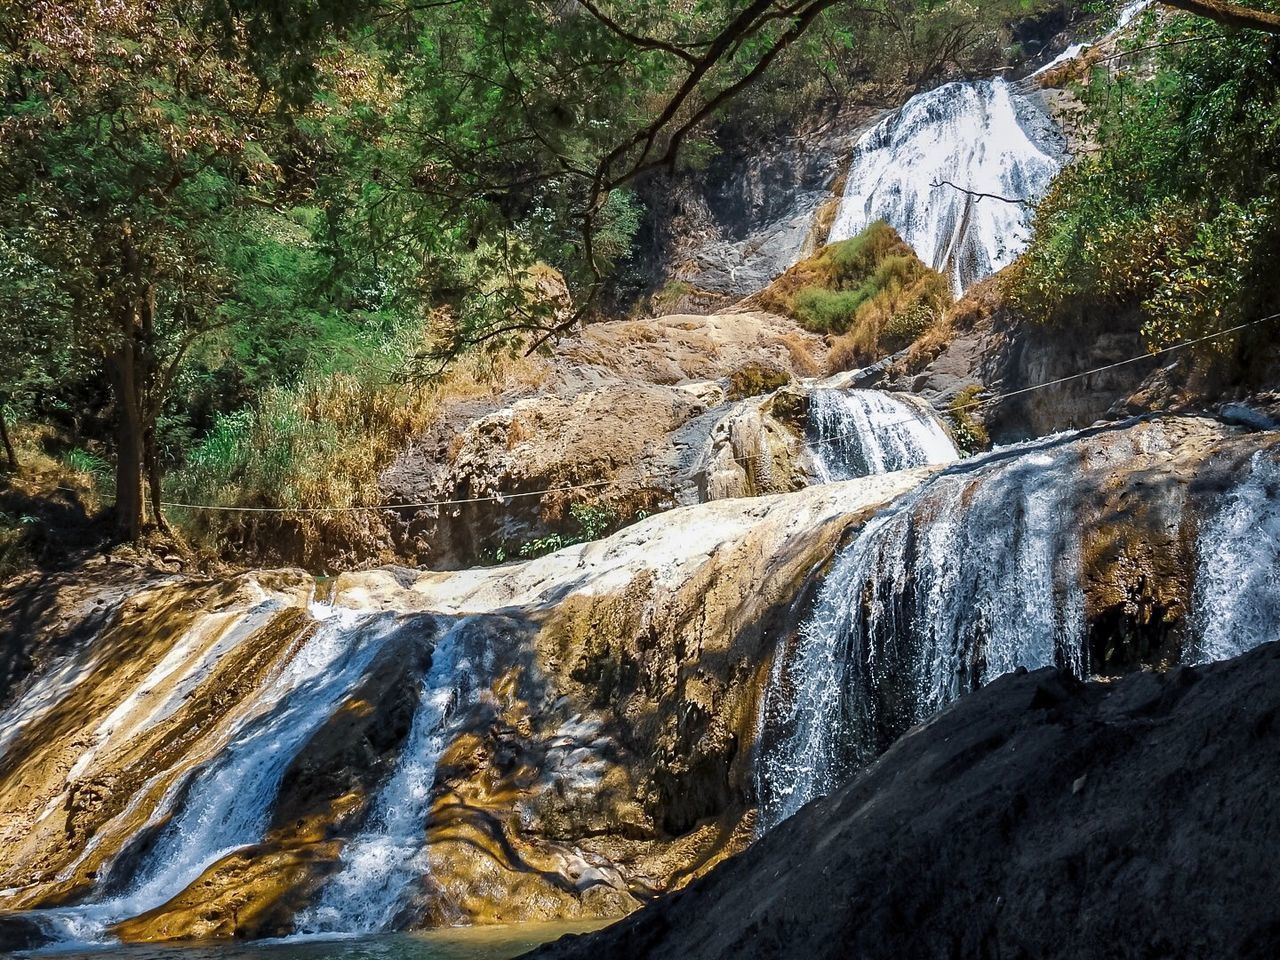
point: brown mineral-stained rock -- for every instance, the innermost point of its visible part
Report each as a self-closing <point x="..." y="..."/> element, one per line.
<point x="616" y="762"/>
<point x="606" y="756"/>
<point x="633" y="417"/>
<point x="92" y="763"/>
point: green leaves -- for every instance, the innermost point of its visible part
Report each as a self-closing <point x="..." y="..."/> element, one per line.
<point x="1178" y="212"/>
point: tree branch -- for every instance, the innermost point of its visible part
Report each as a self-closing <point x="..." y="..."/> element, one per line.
<point x="1019" y="201"/>
<point x="642" y="43"/>
<point x="1229" y="14"/>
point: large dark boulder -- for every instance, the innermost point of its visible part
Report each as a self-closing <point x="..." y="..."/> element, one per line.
<point x="1037" y="818"/>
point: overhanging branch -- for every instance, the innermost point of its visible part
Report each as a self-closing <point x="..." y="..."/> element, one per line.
<point x="1229" y="14"/>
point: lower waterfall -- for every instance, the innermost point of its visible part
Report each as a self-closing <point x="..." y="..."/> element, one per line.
<point x="1236" y="602"/>
<point x="389" y="854"/>
<point x="972" y="576"/>
<point x="978" y="573"/>
<point x="228" y="803"/>
<point x="857" y="433"/>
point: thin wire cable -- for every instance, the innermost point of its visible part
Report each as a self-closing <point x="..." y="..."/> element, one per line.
<point x="597" y="484"/>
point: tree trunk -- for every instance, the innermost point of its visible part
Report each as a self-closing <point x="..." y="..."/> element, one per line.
<point x="129" y="365"/>
<point x="130" y="437"/>
<point x="151" y="457"/>
<point x="9" y="453"/>
<point x="152" y="394"/>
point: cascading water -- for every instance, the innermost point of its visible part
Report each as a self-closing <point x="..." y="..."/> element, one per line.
<point x="973" y="576"/>
<point x="857" y="433"/>
<point x="914" y="168"/>
<point x="1128" y="13"/>
<point x="1236" y="601"/>
<point x="227" y="804"/>
<point x="381" y="862"/>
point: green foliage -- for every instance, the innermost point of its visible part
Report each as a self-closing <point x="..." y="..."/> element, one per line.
<point x="82" y="461"/>
<point x="912" y="323"/>
<point x="1177" y="214"/>
<point x="590" y="521"/>
<point x="871" y="290"/>
<point x="873" y="52"/>
<point x="967" y="431"/>
<point x="830" y="311"/>
<point x="755" y="379"/>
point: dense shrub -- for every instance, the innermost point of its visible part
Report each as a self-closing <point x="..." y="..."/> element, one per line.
<point x="1177" y="213"/>
<point x="871" y="291"/>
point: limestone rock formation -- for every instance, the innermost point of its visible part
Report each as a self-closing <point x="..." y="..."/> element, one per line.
<point x="199" y="770"/>
<point x="1042" y="379"/>
<point x="633" y="418"/>
<point x="569" y="737"/>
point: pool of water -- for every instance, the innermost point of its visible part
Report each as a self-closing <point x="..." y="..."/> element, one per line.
<point x="469" y="943"/>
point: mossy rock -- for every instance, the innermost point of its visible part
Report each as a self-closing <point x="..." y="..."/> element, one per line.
<point x="754" y="380"/>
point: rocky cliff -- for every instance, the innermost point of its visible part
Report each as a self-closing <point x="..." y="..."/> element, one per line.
<point x="1038" y="817"/>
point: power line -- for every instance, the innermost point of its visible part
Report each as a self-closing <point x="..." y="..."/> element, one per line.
<point x="598" y="484"/>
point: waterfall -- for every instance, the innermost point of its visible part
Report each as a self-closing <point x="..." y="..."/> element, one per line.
<point x="981" y="137"/>
<point x="972" y="576"/>
<point x="390" y="852"/>
<point x="1130" y="12"/>
<point x="857" y="433"/>
<point x="227" y="804"/>
<point x="1236" y="600"/>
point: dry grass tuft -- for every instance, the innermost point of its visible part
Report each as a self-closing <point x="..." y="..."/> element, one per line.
<point x="871" y="293"/>
<point x="321" y="447"/>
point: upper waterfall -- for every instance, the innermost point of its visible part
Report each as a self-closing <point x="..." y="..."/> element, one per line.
<point x="857" y="433"/>
<point x="955" y="172"/>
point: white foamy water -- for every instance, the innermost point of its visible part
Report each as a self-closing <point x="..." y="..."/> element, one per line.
<point x="1130" y="12"/>
<point x="390" y="853"/>
<point x="227" y="804"/>
<point x="981" y="137"/>
<point x="1236" y="605"/>
<point x="971" y="577"/>
<point x="857" y="433"/>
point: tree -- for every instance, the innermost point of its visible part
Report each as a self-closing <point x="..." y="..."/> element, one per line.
<point x="520" y="130"/>
<point x="133" y="141"/>
<point x="1178" y="214"/>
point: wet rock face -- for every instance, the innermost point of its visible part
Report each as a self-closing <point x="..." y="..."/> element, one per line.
<point x="1017" y="823"/>
<point x="731" y="229"/>
<point x="570" y="736"/>
<point x="595" y="713"/>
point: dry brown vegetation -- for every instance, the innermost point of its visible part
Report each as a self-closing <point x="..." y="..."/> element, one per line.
<point x="315" y="454"/>
<point x="871" y="293"/>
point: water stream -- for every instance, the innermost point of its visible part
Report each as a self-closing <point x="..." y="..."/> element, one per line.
<point x="390" y="852"/>
<point x="857" y="433"/>
<point x="227" y="804"/>
<point x="1236" y="604"/>
<point x="973" y="575"/>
